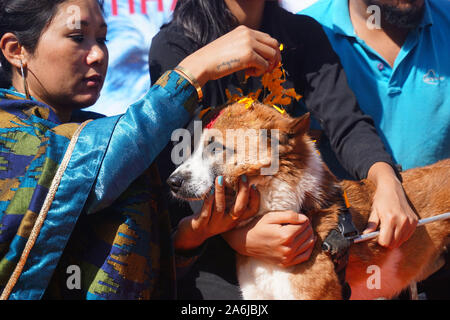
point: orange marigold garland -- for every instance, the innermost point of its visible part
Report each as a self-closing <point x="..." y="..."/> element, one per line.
<point x="274" y="92"/>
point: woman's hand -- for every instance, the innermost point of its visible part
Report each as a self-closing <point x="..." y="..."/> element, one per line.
<point x="212" y="219"/>
<point x="390" y="208"/>
<point x="240" y="49"/>
<point x="284" y="238"/>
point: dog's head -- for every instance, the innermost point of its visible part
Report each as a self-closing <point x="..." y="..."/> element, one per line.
<point x="257" y="141"/>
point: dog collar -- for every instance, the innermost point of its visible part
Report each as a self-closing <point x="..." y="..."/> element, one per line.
<point x="338" y="242"/>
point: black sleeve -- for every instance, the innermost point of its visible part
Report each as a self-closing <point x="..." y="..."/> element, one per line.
<point x="330" y="100"/>
<point x="169" y="47"/>
<point x="167" y="50"/>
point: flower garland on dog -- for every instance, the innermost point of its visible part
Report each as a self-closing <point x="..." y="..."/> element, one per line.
<point x="274" y="92"/>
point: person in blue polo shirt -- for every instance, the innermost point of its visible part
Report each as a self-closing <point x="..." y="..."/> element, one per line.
<point x="399" y="70"/>
<point x="396" y="57"/>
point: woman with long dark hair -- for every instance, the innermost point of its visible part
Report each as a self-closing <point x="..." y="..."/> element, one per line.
<point x="81" y="214"/>
<point x="315" y="71"/>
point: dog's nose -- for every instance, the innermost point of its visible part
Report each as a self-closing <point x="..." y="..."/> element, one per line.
<point x="175" y="182"/>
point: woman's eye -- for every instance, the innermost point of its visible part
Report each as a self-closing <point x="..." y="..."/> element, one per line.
<point x="102" y="40"/>
<point x="78" y="38"/>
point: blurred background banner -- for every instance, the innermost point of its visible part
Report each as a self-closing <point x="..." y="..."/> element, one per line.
<point x="131" y="27"/>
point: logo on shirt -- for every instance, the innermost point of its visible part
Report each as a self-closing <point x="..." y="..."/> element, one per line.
<point x="432" y="78"/>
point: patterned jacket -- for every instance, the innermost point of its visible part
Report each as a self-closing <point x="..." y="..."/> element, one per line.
<point x="81" y="214"/>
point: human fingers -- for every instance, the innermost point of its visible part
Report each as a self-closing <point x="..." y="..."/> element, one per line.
<point x="306" y="244"/>
<point x="265" y="38"/>
<point x="269" y="49"/>
<point x="301" y="257"/>
<point x="413" y="222"/>
<point x="205" y="213"/>
<point x="295" y="235"/>
<point x="255" y="64"/>
<point x="275" y="60"/>
<point x="405" y="227"/>
<point x="285" y="217"/>
<point x="387" y="229"/>
<point x="253" y="204"/>
<point x="219" y="195"/>
<point x="408" y="219"/>
<point x="300" y="249"/>
<point x="242" y="199"/>
<point x="242" y="48"/>
<point x="372" y="223"/>
<point x="303" y="235"/>
<point x="237" y="50"/>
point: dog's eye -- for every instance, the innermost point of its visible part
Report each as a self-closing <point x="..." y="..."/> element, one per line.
<point x="219" y="148"/>
<point x="214" y="149"/>
<point x="212" y="144"/>
<point x="215" y="145"/>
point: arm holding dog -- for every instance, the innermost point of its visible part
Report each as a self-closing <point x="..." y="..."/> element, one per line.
<point x="355" y="141"/>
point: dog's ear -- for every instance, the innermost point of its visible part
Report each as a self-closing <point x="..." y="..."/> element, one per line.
<point x="300" y="125"/>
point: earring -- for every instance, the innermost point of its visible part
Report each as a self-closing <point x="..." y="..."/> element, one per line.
<point x="25" y="86"/>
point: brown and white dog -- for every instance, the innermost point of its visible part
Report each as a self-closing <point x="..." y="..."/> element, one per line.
<point x="303" y="183"/>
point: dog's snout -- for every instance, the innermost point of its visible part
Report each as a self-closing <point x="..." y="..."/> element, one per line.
<point x="175" y="182"/>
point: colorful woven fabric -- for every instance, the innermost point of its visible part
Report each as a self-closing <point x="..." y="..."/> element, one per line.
<point x="109" y="224"/>
<point x="123" y="251"/>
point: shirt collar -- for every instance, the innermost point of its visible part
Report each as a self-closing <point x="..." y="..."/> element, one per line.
<point x="342" y="23"/>
<point x="427" y="19"/>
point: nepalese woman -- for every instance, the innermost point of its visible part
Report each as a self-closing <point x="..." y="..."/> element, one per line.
<point x="78" y="191"/>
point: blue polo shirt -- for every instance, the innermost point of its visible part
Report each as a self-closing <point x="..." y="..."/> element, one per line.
<point x="410" y="102"/>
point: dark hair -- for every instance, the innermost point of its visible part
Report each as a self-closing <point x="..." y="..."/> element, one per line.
<point x="27" y="19"/>
<point x="203" y="20"/>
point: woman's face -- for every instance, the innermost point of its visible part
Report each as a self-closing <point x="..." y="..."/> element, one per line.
<point x="68" y="67"/>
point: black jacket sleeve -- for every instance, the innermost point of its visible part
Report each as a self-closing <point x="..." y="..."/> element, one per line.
<point x="169" y="47"/>
<point x="166" y="52"/>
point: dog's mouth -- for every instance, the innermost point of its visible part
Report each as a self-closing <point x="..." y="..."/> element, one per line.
<point x="183" y="188"/>
<point x="180" y="189"/>
<point x="185" y="196"/>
